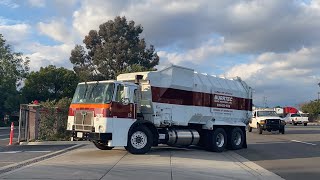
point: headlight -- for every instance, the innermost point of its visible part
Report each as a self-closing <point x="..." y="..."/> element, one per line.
<point x="101" y="129"/>
<point x="262" y="121"/>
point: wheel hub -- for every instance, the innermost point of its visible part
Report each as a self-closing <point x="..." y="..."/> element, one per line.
<point x="220" y="140"/>
<point x="139" y="140"/>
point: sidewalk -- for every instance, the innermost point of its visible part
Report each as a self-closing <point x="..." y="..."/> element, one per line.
<point x="160" y="164"/>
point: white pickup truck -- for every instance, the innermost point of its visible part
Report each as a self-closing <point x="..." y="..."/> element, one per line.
<point x="266" y="120"/>
<point x="296" y="119"/>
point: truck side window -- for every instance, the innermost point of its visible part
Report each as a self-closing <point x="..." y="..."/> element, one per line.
<point x="120" y="93"/>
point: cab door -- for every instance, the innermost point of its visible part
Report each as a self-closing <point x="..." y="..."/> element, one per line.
<point x="123" y="105"/>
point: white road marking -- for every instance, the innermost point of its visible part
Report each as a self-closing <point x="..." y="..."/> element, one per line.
<point x="5" y="139"/>
<point x="10" y="152"/>
<point x="38" y="151"/>
<point x="13" y="152"/>
<point x="303" y="142"/>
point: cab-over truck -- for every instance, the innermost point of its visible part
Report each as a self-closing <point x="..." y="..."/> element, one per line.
<point x="175" y="106"/>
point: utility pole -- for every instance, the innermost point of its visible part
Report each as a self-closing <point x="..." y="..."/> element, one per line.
<point x="265" y="101"/>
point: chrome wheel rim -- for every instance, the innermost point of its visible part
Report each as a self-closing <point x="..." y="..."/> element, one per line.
<point x="237" y="139"/>
<point x="220" y="140"/>
<point x="139" y="140"/>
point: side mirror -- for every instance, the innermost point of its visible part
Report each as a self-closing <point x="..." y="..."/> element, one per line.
<point x="125" y="101"/>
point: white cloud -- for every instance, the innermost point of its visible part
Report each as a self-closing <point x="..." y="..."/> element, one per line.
<point x="247" y="26"/>
<point x="42" y="55"/>
<point x="37" y="3"/>
<point x="290" y="77"/>
<point x="9" y="3"/>
<point x="15" y="34"/>
<point x="57" y="30"/>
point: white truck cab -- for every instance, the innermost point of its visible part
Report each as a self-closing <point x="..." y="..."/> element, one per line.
<point x="266" y="119"/>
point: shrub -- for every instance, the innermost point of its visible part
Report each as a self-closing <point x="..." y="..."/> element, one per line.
<point x="53" y="120"/>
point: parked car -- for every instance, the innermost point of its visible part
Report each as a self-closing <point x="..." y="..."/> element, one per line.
<point x="295" y="118"/>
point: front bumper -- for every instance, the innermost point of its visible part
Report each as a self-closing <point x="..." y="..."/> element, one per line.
<point x="300" y="122"/>
<point x="272" y="127"/>
<point x="91" y="136"/>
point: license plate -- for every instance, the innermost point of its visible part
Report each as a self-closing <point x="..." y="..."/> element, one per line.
<point x="79" y="134"/>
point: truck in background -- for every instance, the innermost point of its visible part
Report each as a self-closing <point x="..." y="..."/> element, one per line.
<point x="266" y="119"/>
<point x="175" y="106"/>
<point x="296" y="118"/>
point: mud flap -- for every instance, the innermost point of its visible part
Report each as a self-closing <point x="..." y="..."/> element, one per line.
<point x="245" y="145"/>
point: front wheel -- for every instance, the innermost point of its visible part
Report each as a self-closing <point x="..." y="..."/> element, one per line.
<point x="139" y="140"/>
<point x="259" y="129"/>
<point x="282" y="130"/>
<point x="102" y="146"/>
<point x="305" y="124"/>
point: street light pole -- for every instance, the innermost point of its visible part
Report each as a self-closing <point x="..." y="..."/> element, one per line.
<point x="318" y="91"/>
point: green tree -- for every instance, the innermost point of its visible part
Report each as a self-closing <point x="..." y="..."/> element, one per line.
<point x="114" y="49"/>
<point x="50" y="83"/>
<point x="313" y="108"/>
<point x="13" y="69"/>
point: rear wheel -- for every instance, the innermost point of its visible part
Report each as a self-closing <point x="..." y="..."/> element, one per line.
<point x="102" y="146"/>
<point x="236" y="139"/>
<point x="217" y="140"/>
<point x="305" y="124"/>
<point x="139" y="140"/>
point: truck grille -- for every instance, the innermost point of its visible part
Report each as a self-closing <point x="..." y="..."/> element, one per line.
<point x="273" y="121"/>
<point x="83" y="120"/>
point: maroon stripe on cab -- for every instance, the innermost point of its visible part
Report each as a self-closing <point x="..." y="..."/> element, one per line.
<point x="190" y="98"/>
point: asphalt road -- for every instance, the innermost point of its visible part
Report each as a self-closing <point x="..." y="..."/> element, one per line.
<point x="294" y="155"/>
<point x="4" y="136"/>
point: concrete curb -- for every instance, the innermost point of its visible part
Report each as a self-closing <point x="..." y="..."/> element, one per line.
<point x="252" y="167"/>
<point x="56" y="143"/>
<point x="17" y="166"/>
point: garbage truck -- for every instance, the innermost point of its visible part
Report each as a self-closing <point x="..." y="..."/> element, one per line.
<point x="175" y="106"/>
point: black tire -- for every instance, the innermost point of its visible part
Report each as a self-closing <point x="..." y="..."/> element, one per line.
<point x="101" y="146"/>
<point x="236" y="138"/>
<point x="140" y="140"/>
<point x="282" y="130"/>
<point x="259" y="129"/>
<point x="305" y="124"/>
<point x="294" y="123"/>
<point x="218" y="134"/>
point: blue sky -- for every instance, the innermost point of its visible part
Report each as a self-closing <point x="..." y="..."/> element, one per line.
<point x="273" y="45"/>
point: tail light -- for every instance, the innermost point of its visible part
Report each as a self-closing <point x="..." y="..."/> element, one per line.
<point x="71" y="112"/>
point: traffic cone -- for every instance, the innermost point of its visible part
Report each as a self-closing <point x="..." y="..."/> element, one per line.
<point x="11" y="134"/>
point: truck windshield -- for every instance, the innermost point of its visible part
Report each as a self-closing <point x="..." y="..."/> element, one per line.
<point x="267" y="113"/>
<point x="93" y="93"/>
